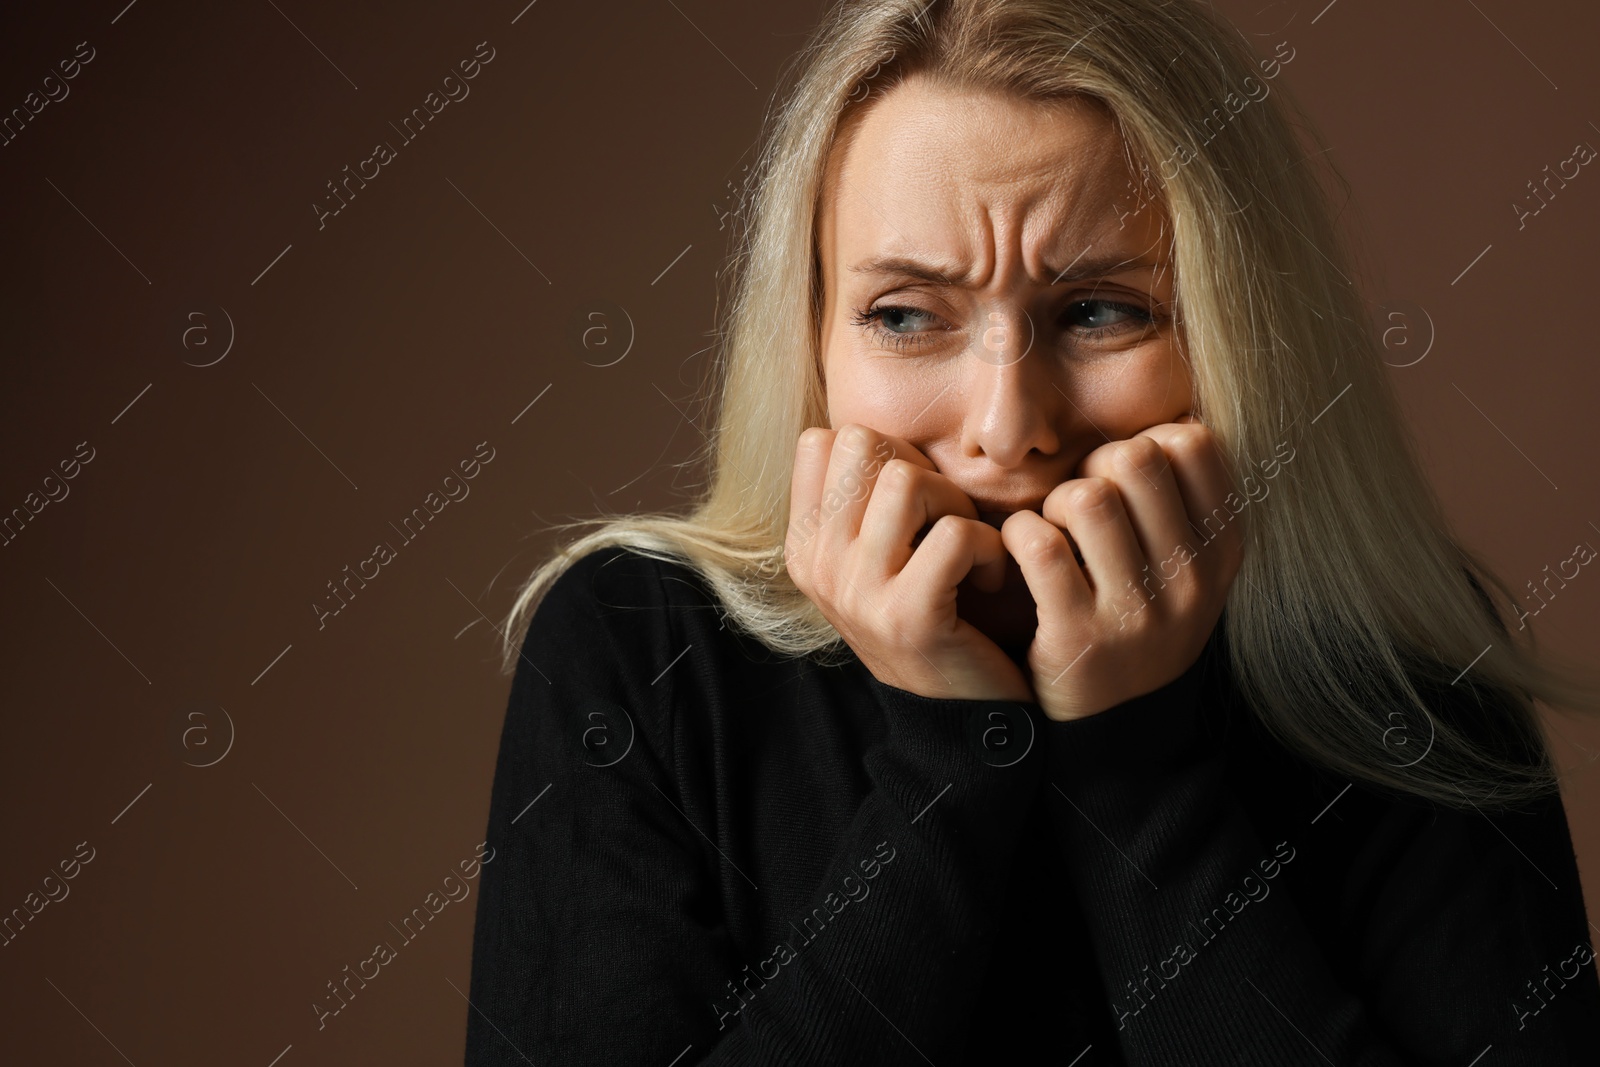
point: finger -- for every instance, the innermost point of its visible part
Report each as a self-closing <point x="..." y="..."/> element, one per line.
<point x="1044" y="556"/>
<point x="859" y="452"/>
<point x="955" y="547"/>
<point x="1091" y="510"/>
<point x="1205" y="482"/>
<point x="805" y="485"/>
<point x="845" y="490"/>
<point x="905" y="498"/>
<point x="1144" y="476"/>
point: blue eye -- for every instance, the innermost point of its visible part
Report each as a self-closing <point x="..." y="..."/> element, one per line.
<point x="1138" y="315"/>
<point x="884" y="323"/>
<point x="873" y="321"/>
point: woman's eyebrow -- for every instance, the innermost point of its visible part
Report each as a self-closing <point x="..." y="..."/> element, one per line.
<point x="1077" y="270"/>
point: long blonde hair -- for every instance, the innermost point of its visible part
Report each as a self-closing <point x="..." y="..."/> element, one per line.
<point x="1354" y="609"/>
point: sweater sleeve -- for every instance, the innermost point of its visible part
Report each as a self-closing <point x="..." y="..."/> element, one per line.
<point x="1465" y="932"/>
<point x="600" y="936"/>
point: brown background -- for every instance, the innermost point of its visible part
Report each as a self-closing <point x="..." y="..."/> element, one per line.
<point x="588" y="170"/>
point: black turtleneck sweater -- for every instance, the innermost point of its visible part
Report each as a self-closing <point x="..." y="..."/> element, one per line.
<point x="706" y="853"/>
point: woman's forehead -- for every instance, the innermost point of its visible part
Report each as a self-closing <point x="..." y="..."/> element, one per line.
<point x="923" y="130"/>
<point x="938" y="159"/>
<point x="943" y="172"/>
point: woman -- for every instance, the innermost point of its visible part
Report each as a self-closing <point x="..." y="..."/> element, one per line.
<point x="926" y="736"/>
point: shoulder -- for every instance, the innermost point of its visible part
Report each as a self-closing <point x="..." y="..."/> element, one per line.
<point x="590" y="677"/>
<point x="616" y="587"/>
<point x="620" y="606"/>
<point x="606" y="578"/>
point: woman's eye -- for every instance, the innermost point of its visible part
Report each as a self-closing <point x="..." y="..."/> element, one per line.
<point x="897" y="327"/>
<point x="902" y="327"/>
<point x="893" y="318"/>
<point x="1100" y="317"/>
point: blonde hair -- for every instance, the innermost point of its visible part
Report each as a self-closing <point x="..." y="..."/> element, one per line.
<point x="1354" y="605"/>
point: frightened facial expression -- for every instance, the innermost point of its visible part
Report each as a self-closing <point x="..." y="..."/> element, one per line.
<point x="996" y="292"/>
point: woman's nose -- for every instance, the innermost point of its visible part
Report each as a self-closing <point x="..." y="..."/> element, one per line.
<point x="1013" y="399"/>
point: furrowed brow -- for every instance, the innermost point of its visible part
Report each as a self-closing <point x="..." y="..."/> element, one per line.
<point x="1079" y="269"/>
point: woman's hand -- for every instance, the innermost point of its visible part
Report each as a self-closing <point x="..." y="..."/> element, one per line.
<point x="1139" y="610"/>
<point x="857" y="500"/>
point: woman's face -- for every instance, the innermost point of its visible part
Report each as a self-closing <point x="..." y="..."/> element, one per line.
<point x="995" y="372"/>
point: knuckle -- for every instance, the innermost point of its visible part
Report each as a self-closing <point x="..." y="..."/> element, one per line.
<point x="1045" y="547"/>
<point x="949" y="528"/>
<point x="1140" y="454"/>
<point x="1090" y="496"/>
<point x="855" y="437"/>
<point x="1192" y="440"/>
<point x="901" y="471"/>
<point x="898" y="474"/>
<point x="814" y="441"/>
